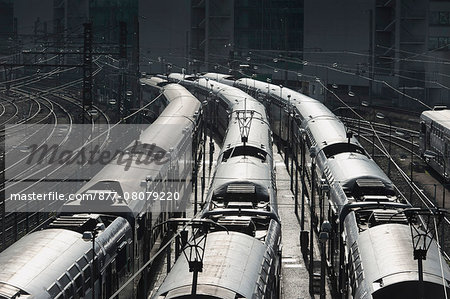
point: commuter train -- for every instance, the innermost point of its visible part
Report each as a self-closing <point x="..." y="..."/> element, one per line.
<point x="244" y="261"/>
<point x="435" y="139"/>
<point x="370" y="249"/>
<point x="57" y="261"/>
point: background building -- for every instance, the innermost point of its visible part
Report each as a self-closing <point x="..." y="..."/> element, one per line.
<point x="106" y="14"/>
<point x="401" y="46"/>
<point x="381" y="50"/>
<point x="7" y="27"/>
<point x="164" y="34"/>
<point x="247" y="35"/>
<point x="387" y="50"/>
<point x="69" y="16"/>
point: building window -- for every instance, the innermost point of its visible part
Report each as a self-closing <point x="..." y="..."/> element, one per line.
<point x="432" y="43"/>
<point x="441" y="18"/>
<point x="434" y="18"/>
<point x="443" y="42"/>
<point x="438" y="42"/>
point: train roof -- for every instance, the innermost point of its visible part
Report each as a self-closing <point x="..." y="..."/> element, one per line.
<point x="230" y="94"/>
<point x="239" y="170"/>
<point x="311" y="109"/>
<point x="35" y="263"/>
<point x="325" y="131"/>
<point x="179" y="114"/>
<point x="231" y="268"/>
<point x="153" y="81"/>
<point x="441" y="117"/>
<point x="351" y="169"/>
<point x="274" y="90"/>
<point x="238" y="102"/>
<point x="222" y="78"/>
<point x="37" y="260"/>
<point x="259" y="134"/>
<point x="163" y="136"/>
<point x="379" y="246"/>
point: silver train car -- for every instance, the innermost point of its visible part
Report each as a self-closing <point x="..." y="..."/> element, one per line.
<point x="370" y="251"/>
<point x="435" y="140"/>
<point x="215" y="110"/>
<point x="235" y="265"/>
<point x="244" y="261"/>
<point x="56" y="262"/>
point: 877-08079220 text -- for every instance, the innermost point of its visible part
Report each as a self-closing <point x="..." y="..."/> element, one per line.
<point x="97" y="195"/>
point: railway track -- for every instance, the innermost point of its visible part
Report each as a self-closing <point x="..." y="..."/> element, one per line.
<point x="38" y="106"/>
<point x="403" y="138"/>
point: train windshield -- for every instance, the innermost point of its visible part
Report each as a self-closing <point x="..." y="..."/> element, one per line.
<point x="244" y="151"/>
<point x="338" y="148"/>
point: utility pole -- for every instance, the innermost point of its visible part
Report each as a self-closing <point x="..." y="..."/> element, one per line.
<point x="371" y="56"/>
<point x="122" y="66"/>
<point x="36" y="29"/>
<point x="87" y="69"/>
<point x="312" y="222"/>
<point x="135" y="87"/>
<point x="2" y="186"/>
<point x="16" y="42"/>
<point x="422" y="235"/>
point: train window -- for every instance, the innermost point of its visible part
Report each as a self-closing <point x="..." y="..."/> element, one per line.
<point x="104" y="291"/>
<point x="73" y="271"/>
<point x="87" y="275"/>
<point x="140" y="227"/>
<point x="423" y="127"/>
<point x="64" y="280"/>
<point x="69" y="291"/>
<point x="121" y="259"/>
<point x="82" y="262"/>
<point x="114" y="277"/>
<point x="79" y="283"/>
<point x="339" y="148"/>
<point x="54" y="290"/>
<point x="244" y="151"/>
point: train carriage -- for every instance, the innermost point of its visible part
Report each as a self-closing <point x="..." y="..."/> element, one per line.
<point x="244" y="261"/>
<point x="56" y="262"/>
<point x="169" y="135"/>
<point x="370" y="248"/>
<point x="435" y="140"/>
<point x="235" y="265"/>
<point x="59" y="258"/>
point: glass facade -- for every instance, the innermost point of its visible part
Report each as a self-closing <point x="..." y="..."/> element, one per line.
<point x="440" y="18"/>
<point x="269" y="24"/>
<point x="106" y="14"/>
<point x="440" y="43"/>
<point x="6" y="26"/>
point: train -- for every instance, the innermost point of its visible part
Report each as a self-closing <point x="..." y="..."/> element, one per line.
<point x="91" y="250"/>
<point x="243" y="251"/>
<point x="435" y="138"/>
<point x="369" y="251"/>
